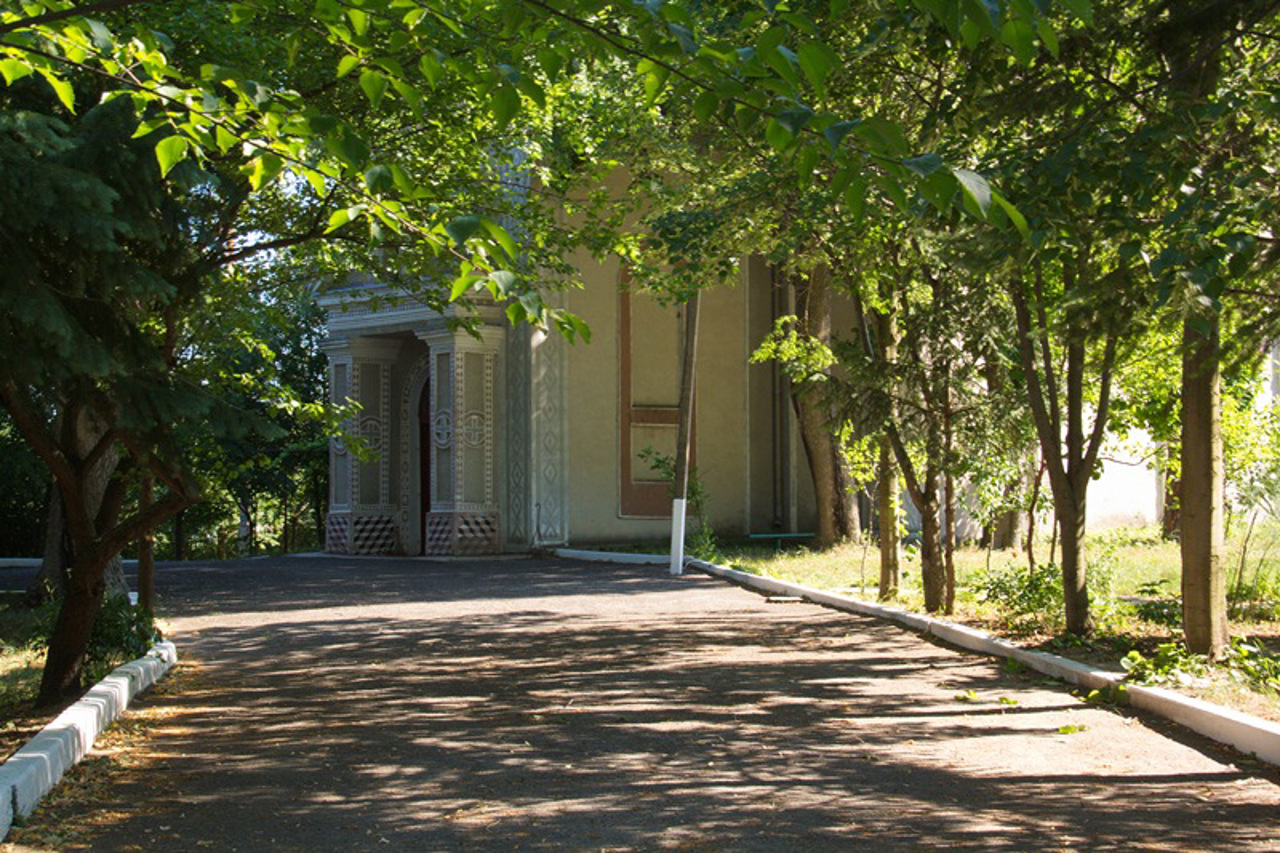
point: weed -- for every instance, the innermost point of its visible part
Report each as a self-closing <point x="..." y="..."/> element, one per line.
<point x="1172" y="664"/>
<point x="1157" y="606"/>
<point x="1251" y="661"/>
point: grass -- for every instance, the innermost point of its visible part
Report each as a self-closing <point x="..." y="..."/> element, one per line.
<point x="21" y="662"/>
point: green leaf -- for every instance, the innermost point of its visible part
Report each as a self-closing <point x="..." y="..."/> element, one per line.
<point x="924" y="165"/>
<point x="263" y="169"/>
<point x="684" y="35"/>
<point x="795" y="119"/>
<point x="171" y="151"/>
<point x="461" y="285"/>
<point x="1048" y="36"/>
<point x="783" y="61"/>
<point x="431" y="68"/>
<point x="938" y="189"/>
<point x="500" y="236"/>
<point x="347" y="64"/>
<point x="890" y="187"/>
<point x="463" y="229"/>
<point x="975" y="188"/>
<point x="359" y="20"/>
<point x="778" y="136"/>
<point x="885" y="135"/>
<point x="338" y="218"/>
<point x="411" y="95"/>
<point x="654" y="82"/>
<point x="806" y="161"/>
<point x="817" y="61"/>
<point x="374" y="85"/>
<point x="838" y="131"/>
<point x="1018" y="34"/>
<point x="502" y="283"/>
<point x="770" y="39"/>
<point x="504" y="103"/>
<point x="378" y="179"/>
<point x="705" y="105"/>
<point x="1019" y="221"/>
<point x="63" y="89"/>
<point x="532" y="90"/>
<point x="855" y="197"/>
<point x="13" y="69"/>
<point x="226" y="140"/>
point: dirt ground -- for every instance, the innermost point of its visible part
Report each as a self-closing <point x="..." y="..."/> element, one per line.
<point x="362" y="704"/>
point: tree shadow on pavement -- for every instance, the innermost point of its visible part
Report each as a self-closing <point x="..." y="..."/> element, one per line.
<point x="661" y="723"/>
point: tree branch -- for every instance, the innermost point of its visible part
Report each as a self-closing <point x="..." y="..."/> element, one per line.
<point x="63" y="14"/>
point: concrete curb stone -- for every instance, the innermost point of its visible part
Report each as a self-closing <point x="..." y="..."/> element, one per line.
<point x="31" y="772"/>
<point x="1251" y="735"/>
<point x="610" y="557"/>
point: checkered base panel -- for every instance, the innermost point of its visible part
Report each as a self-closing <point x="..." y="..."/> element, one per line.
<point x="337" y="533"/>
<point x="362" y="534"/>
<point x="461" y="533"/>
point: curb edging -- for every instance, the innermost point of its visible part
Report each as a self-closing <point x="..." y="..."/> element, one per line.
<point x="612" y="557"/>
<point x="31" y="772"/>
<point x="1249" y="734"/>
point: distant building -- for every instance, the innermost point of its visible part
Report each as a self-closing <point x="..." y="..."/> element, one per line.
<point x="515" y="438"/>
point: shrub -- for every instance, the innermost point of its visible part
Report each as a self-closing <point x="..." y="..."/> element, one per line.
<point x="1022" y="591"/>
<point x="121" y="633"/>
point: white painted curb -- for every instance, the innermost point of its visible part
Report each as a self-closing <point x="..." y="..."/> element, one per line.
<point x="611" y="557"/>
<point x="1249" y="734"/>
<point x="32" y="771"/>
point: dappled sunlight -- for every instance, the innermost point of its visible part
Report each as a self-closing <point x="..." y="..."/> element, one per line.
<point x="691" y="717"/>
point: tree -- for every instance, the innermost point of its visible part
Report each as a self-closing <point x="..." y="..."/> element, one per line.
<point x="237" y="127"/>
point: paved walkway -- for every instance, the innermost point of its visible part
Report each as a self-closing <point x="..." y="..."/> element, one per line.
<point x="534" y="705"/>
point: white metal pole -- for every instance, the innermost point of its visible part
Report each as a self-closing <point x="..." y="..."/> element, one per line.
<point x="677" y="536"/>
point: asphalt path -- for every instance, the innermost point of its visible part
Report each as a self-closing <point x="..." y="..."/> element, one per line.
<point x="528" y="704"/>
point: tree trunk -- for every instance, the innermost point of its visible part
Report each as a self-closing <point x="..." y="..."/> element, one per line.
<point x="1006" y="528"/>
<point x="949" y="497"/>
<point x="81" y="601"/>
<point x="836" y="504"/>
<point x="932" y="573"/>
<point x="819" y="449"/>
<point x="1204" y="594"/>
<point x="848" y="512"/>
<point x="887" y="500"/>
<point x="1170" y="517"/>
<point x="1075" y="589"/>
<point x="51" y="579"/>
<point x="886" y="350"/>
<point x="179" y="537"/>
<point x="244" y="534"/>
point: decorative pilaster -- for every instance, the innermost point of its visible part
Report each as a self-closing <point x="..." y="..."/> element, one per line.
<point x="361" y="517"/>
<point x="463" y="516"/>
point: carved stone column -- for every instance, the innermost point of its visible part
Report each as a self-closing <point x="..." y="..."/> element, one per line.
<point x="464" y="514"/>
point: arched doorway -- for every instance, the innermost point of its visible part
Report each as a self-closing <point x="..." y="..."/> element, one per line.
<point x="424" y="462"/>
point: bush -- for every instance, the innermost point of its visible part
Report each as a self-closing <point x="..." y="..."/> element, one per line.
<point x="121" y="633"/>
<point x="1021" y="591"/>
